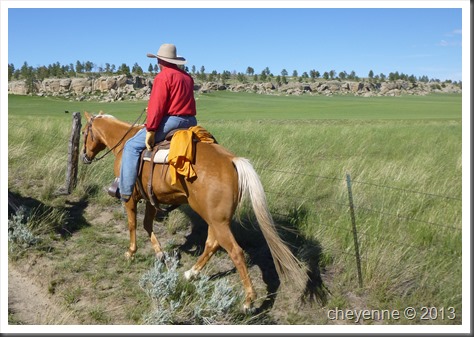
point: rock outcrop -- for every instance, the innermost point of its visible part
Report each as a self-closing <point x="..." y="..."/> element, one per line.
<point x="116" y="88"/>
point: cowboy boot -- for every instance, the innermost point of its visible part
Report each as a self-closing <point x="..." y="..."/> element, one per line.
<point x="113" y="189"/>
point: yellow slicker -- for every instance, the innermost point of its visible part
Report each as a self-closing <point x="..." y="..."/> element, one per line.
<point x="181" y="153"/>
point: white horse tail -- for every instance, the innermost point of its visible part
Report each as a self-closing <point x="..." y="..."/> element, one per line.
<point x="288" y="267"/>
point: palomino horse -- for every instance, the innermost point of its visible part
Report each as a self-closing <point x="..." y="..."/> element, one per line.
<point x="223" y="181"/>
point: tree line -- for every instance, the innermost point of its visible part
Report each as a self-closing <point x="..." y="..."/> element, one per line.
<point x="56" y="70"/>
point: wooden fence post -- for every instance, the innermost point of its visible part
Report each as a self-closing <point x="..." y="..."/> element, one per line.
<point x="354" y="229"/>
<point x="73" y="153"/>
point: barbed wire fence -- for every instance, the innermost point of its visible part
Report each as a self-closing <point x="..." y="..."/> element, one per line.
<point x="355" y="210"/>
<point x="351" y="205"/>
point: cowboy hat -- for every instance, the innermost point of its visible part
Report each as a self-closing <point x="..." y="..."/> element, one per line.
<point x="167" y="52"/>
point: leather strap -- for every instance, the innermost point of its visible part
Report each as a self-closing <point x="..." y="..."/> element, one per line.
<point x="153" y="199"/>
<point x="139" y="181"/>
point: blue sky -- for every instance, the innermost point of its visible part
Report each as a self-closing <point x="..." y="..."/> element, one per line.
<point x="418" y="41"/>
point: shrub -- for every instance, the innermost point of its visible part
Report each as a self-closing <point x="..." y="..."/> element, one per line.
<point x="34" y="228"/>
<point x="178" y="301"/>
<point x="19" y="233"/>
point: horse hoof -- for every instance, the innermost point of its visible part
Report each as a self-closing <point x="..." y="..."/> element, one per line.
<point x="160" y="256"/>
<point x="249" y="309"/>
<point x="191" y="274"/>
<point x="129" y="256"/>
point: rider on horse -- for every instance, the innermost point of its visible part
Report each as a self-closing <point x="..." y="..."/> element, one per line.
<point x="171" y="106"/>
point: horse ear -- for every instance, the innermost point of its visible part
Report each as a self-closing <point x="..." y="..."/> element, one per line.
<point x="86" y="114"/>
<point x="101" y="112"/>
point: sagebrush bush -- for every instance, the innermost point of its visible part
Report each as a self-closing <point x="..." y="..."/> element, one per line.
<point x="178" y="301"/>
<point x="19" y="234"/>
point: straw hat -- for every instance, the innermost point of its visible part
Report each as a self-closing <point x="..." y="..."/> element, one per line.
<point x="167" y="52"/>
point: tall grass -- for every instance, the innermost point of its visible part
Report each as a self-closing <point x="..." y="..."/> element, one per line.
<point x="407" y="193"/>
<point x="406" y="172"/>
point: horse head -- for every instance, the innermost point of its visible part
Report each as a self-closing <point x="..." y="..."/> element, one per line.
<point x="93" y="143"/>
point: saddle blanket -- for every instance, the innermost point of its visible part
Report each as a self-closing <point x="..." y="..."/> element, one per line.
<point x="161" y="156"/>
<point x="180" y="154"/>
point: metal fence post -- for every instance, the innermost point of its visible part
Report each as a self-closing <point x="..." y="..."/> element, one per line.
<point x="354" y="229"/>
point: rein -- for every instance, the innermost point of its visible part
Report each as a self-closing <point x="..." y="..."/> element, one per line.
<point x="89" y="129"/>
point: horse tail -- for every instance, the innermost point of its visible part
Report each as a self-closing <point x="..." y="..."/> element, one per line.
<point x="288" y="267"/>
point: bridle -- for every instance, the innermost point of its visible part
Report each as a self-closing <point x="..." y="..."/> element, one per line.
<point x="85" y="157"/>
<point x="88" y="130"/>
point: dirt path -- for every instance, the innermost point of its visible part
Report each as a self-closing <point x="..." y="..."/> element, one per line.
<point x="28" y="303"/>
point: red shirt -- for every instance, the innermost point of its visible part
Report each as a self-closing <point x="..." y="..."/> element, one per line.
<point x="172" y="94"/>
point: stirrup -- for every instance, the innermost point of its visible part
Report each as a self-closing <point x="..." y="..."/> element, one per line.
<point x="125" y="197"/>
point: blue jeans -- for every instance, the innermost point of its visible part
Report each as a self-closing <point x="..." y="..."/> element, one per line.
<point x="135" y="145"/>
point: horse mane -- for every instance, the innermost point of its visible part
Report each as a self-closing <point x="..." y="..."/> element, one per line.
<point x="115" y="119"/>
<point x="106" y="116"/>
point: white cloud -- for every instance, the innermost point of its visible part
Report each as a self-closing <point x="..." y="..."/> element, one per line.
<point x="443" y="43"/>
<point x="449" y="39"/>
<point x="453" y="32"/>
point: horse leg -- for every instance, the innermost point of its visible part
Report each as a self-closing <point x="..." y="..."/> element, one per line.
<point x="226" y="240"/>
<point x="150" y="212"/>
<point x="210" y="248"/>
<point x="131" y="208"/>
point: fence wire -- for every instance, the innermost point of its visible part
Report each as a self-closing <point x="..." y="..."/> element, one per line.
<point x="363" y="232"/>
<point x="406" y="190"/>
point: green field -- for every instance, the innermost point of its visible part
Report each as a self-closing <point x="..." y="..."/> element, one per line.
<point x="403" y="155"/>
<point x="243" y="106"/>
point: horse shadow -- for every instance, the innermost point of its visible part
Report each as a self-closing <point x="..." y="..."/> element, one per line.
<point x="74" y="219"/>
<point x="252" y="241"/>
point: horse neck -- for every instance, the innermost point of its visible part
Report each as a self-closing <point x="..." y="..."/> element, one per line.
<point x="113" y="131"/>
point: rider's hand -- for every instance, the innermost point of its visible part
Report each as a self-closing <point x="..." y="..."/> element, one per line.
<point x="150" y="140"/>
